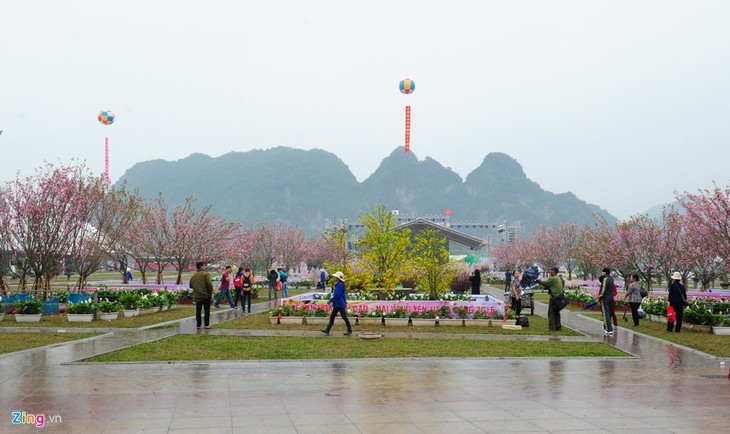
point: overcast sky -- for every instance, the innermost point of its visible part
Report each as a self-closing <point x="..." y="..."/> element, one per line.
<point x="620" y="102"/>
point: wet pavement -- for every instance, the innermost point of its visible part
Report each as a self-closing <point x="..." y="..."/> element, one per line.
<point x="662" y="388"/>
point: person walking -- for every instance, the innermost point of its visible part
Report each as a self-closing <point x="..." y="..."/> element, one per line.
<point x="283" y="278"/>
<point x="272" y="277"/>
<point x="554" y="285"/>
<point x="677" y="298"/>
<point x="605" y="299"/>
<point x="516" y="293"/>
<point x="476" y="281"/>
<point x="247" y="289"/>
<point x="633" y="296"/>
<point x="237" y="288"/>
<point x="323" y="279"/>
<point x="507" y="280"/>
<point x="225" y="288"/>
<point x="339" y="304"/>
<point x="202" y="287"/>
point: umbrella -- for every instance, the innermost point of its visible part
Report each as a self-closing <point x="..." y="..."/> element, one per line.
<point x="590" y="305"/>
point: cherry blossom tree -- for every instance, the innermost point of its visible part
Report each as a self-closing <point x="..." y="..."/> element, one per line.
<point x="546" y="248"/>
<point x="708" y="221"/>
<point x="42" y="214"/>
<point x="111" y="215"/>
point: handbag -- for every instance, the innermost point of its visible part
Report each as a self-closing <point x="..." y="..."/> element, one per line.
<point x="671" y="314"/>
<point x="278" y="286"/>
<point x="643" y="293"/>
<point x="561" y="301"/>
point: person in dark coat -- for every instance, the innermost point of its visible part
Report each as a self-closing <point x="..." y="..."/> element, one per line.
<point x="476" y="281"/>
<point x="202" y="287"/>
<point x="677" y="298"/>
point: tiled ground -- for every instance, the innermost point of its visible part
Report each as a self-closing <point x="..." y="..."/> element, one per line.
<point x="661" y="390"/>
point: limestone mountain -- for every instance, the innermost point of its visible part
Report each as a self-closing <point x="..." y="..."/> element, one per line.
<point x="306" y="188"/>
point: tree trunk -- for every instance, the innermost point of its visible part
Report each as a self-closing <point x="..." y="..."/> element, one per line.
<point x="178" y="281"/>
<point x="144" y="277"/>
<point x="159" y="276"/>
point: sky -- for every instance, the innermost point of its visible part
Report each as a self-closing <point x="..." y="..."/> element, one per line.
<point x="621" y="102"/>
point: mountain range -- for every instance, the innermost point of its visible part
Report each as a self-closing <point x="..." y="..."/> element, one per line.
<point x="307" y="188"/>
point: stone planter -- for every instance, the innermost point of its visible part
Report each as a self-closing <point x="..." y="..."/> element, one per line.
<point x="274" y="320"/>
<point x="478" y="322"/>
<point x="318" y="320"/>
<point x="451" y="322"/>
<point x="291" y="320"/>
<point x="130" y="313"/>
<point x="698" y="328"/>
<point x="80" y="317"/>
<point x="2" y="316"/>
<point x="172" y="306"/>
<point x="396" y="322"/>
<point x="28" y="317"/>
<point x="370" y="320"/>
<point x="423" y="322"/>
<point x="721" y="330"/>
<point x="108" y="316"/>
<point x="164" y="308"/>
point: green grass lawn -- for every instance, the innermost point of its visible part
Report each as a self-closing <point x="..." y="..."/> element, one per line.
<point x="205" y="347"/>
<point x="60" y="321"/>
<point x="538" y="326"/>
<point x="707" y="343"/>
<point x="22" y="341"/>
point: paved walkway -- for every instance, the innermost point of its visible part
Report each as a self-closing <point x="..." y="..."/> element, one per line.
<point x="662" y="389"/>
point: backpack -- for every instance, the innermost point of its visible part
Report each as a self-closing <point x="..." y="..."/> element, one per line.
<point x="238" y="281"/>
<point x="247" y="280"/>
<point x="523" y="321"/>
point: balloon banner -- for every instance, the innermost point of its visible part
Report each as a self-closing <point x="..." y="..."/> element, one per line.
<point x="408" y="129"/>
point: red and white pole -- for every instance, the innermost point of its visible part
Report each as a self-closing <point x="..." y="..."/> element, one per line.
<point x="408" y="129"/>
<point x="106" y="159"/>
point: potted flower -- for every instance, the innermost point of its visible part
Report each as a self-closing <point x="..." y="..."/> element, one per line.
<point x="28" y="310"/>
<point x="397" y="316"/>
<point x="130" y="302"/>
<point x="108" y="310"/>
<point x="284" y="314"/>
<point x="424" y="318"/>
<point x="185" y="296"/>
<point x="446" y="318"/>
<point x="320" y="313"/>
<point x="82" y="311"/>
<point x="480" y="318"/>
<point x="173" y="298"/>
<point x="723" y="328"/>
<point x="374" y="317"/>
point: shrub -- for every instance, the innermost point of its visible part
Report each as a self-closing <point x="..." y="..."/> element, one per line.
<point x="83" y="307"/>
<point x="460" y="283"/>
<point x="29" y="306"/>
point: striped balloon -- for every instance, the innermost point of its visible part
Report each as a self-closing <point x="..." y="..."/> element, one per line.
<point x="407" y="86"/>
<point x="106" y="117"/>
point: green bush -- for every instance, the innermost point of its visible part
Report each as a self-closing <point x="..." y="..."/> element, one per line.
<point x="29" y="306"/>
<point x="82" y="307"/>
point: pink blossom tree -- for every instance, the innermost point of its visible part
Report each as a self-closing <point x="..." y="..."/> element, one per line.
<point x="111" y="215"/>
<point x="708" y="221"/>
<point x="42" y="214"/>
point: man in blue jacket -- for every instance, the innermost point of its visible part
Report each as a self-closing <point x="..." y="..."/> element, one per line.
<point x="339" y="304"/>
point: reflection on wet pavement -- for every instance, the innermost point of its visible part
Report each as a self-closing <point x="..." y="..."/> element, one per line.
<point x="663" y="388"/>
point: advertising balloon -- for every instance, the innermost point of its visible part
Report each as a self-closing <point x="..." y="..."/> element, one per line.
<point x="407" y="86"/>
<point x="106" y="117"/>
